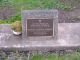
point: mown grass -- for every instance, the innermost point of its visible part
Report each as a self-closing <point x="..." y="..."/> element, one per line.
<point x="33" y="4"/>
<point x="23" y="55"/>
<point x="39" y="56"/>
<point x="12" y="19"/>
<point x="67" y="56"/>
<point x="40" y="4"/>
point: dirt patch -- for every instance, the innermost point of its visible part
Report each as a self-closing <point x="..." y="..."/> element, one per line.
<point x="72" y="16"/>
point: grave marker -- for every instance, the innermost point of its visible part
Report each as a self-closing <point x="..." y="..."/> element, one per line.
<point x="39" y="24"/>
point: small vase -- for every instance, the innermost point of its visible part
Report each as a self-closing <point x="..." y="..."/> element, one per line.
<point x="16" y="33"/>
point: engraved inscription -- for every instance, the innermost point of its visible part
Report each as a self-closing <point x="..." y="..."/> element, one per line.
<point x="39" y="27"/>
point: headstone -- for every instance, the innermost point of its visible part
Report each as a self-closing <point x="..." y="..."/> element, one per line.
<point x="39" y="24"/>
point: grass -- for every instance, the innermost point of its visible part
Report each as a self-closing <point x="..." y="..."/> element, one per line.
<point x="54" y="56"/>
<point x="44" y="57"/>
<point x="12" y="19"/>
<point x="40" y="56"/>
<point x="33" y="4"/>
<point x="35" y="55"/>
<point x="39" y="4"/>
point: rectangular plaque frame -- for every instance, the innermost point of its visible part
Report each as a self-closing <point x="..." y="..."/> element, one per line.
<point x="39" y="14"/>
<point x="46" y="28"/>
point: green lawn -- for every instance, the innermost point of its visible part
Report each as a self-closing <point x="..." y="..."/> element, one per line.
<point x="67" y="56"/>
<point x="17" y="55"/>
<point x="39" y="4"/>
<point x="43" y="57"/>
<point x="40" y="56"/>
<point x="33" y="4"/>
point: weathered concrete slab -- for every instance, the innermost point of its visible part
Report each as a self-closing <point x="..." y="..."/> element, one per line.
<point x="68" y="38"/>
<point x="69" y="33"/>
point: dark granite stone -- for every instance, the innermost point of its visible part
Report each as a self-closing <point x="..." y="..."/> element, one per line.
<point x="39" y="24"/>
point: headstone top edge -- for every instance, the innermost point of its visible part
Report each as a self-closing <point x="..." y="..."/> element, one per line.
<point x="54" y="10"/>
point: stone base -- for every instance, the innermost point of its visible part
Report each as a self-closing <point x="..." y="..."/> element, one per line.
<point x="68" y="38"/>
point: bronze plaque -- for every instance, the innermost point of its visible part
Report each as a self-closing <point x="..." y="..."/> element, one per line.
<point x="39" y="27"/>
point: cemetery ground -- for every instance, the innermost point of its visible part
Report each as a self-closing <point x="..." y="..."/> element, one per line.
<point x="69" y="12"/>
<point x="68" y="9"/>
<point x="17" y="55"/>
